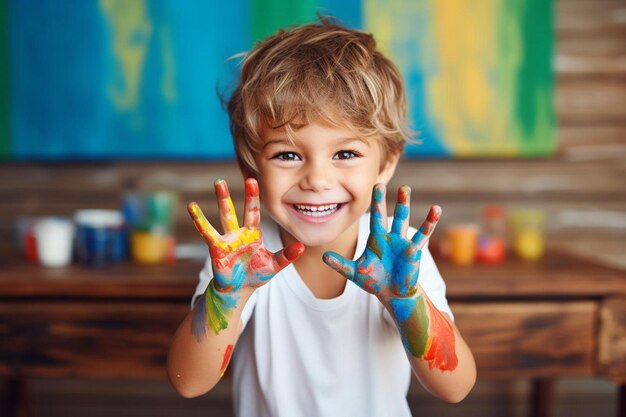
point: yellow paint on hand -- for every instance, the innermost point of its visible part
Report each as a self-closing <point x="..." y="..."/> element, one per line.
<point x="237" y="240"/>
<point x="230" y="215"/>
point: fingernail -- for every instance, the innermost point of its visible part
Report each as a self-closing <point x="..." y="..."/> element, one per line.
<point x="404" y="194"/>
<point x="435" y="213"/>
<point x="378" y="194"/>
<point x="221" y="188"/>
<point x="252" y="187"/>
<point x="193" y="208"/>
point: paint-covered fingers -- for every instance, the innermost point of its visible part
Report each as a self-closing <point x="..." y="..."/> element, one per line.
<point x="345" y="267"/>
<point x="288" y="255"/>
<point x="420" y="238"/>
<point x="228" y="217"/>
<point x="252" y="216"/>
<point x="402" y="212"/>
<point x="378" y="212"/>
<point x="203" y="226"/>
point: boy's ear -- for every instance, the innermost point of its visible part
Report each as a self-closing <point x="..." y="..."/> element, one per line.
<point x="389" y="168"/>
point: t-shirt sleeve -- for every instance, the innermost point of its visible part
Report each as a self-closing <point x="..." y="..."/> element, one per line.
<point x="206" y="275"/>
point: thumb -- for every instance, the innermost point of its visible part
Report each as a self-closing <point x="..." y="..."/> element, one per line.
<point x="340" y="264"/>
<point x="288" y="255"/>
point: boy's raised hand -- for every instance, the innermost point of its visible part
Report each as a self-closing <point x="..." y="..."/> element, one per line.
<point x="389" y="269"/>
<point x="389" y="266"/>
<point x="238" y="257"/>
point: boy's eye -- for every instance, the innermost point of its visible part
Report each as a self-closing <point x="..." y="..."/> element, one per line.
<point x="286" y="156"/>
<point x="346" y="155"/>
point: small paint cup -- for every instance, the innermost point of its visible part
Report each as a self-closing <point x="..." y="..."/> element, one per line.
<point x="527" y="227"/>
<point x="101" y="237"/>
<point x="463" y="241"/>
<point x="54" y="237"/>
<point x="149" y="245"/>
<point x="26" y="240"/>
<point x="160" y="207"/>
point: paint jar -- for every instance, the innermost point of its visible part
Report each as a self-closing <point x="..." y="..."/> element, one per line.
<point x="492" y="242"/>
<point x="150" y="245"/>
<point x="101" y="237"/>
<point x="527" y="228"/>
<point x="26" y="240"/>
<point x="462" y="241"/>
<point x="54" y="236"/>
<point x="161" y="208"/>
<point x="157" y="208"/>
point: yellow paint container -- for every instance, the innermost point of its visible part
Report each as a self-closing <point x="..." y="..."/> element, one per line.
<point x="528" y="234"/>
<point x="149" y="247"/>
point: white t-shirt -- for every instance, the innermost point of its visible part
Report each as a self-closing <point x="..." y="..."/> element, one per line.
<point x="303" y="356"/>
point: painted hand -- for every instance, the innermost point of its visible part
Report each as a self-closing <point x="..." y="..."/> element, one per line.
<point x="238" y="257"/>
<point x="389" y="269"/>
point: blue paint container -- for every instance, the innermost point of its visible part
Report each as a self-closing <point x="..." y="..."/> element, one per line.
<point x="101" y="237"/>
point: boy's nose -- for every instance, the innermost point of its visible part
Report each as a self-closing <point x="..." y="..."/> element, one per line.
<point x="317" y="177"/>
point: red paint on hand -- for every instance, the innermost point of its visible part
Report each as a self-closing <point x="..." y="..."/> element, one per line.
<point x="252" y="187"/>
<point x="221" y="189"/>
<point x="293" y="251"/>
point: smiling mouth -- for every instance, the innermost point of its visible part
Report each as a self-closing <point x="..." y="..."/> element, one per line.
<point x="317" y="211"/>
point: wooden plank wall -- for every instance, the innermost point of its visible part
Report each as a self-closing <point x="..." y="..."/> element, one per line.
<point x="582" y="187"/>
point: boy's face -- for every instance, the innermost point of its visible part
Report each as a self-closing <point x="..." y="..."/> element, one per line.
<point x="317" y="187"/>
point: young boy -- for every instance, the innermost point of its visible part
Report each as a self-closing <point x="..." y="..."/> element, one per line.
<point x="323" y="327"/>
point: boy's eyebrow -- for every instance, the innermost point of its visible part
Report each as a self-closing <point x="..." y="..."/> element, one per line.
<point x="342" y="141"/>
<point x="276" y="142"/>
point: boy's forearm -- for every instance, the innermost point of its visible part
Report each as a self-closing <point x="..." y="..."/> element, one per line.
<point x="438" y="354"/>
<point x="451" y="386"/>
<point x="195" y="364"/>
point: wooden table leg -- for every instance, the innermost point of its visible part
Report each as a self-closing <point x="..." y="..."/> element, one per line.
<point x="543" y="397"/>
<point x="17" y="397"/>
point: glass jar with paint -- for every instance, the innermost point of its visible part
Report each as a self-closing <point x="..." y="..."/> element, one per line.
<point x="527" y="227"/>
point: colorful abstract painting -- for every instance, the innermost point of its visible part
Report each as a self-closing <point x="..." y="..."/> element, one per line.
<point x="119" y="79"/>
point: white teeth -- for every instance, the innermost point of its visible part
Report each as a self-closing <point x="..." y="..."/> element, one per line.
<point x="317" y="211"/>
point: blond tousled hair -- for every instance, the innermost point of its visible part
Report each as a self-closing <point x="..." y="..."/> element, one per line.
<point x="319" y="72"/>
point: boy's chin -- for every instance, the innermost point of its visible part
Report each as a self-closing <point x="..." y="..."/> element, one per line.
<point x="309" y="240"/>
<point x="314" y="241"/>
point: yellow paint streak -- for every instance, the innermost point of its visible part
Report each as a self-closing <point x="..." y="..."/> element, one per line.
<point x="467" y="52"/>
<point x="460" y="93"/>
<point x="236" y="241"/>
<point x="168" y="83"/>
<point x="231" y="217"/>
<point x="131" y="31"/>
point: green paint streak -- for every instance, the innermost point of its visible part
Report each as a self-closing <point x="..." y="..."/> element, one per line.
<point x="534" y="102"/>
<point x="5" y="87"/>
<point x="374" y="246"/>
<point x="418" y="330"/>
<point x="217" y="310"/>
<point x="413" y="330"/>
<point x="267" y="16"/>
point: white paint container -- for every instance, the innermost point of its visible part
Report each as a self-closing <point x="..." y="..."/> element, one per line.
<point x="55" y="236"/>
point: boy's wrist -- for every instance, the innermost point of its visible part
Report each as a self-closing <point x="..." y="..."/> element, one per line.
<point x="390" y="300"/>
<point x="424" y="330"/>
<point x="220" y="305"/>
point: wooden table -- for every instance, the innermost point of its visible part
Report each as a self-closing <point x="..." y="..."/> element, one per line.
<point x="558" y="317"/>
